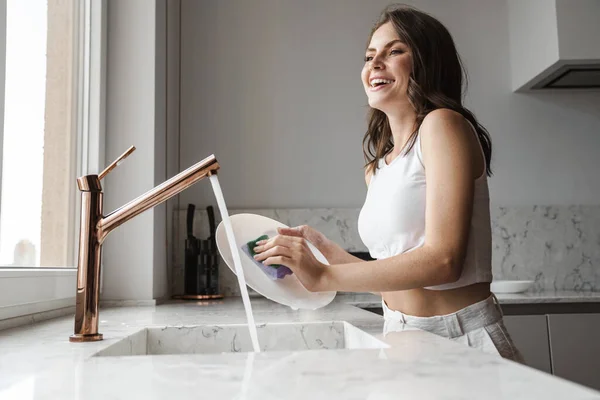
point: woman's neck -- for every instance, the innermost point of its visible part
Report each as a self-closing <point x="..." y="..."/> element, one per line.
<point x="402" y="125"/>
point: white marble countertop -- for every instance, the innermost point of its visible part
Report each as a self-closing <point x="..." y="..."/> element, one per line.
<point x="548" y="297"/>
<point x="38" y="362"/>
<point x="369" y="300"/>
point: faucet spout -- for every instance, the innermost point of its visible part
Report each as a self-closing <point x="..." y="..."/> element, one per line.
<point x="158" y="195"/>
<point x="94" y="227"/>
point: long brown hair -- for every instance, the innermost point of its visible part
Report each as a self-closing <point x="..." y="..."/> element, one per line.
<point x="436" y="81"/>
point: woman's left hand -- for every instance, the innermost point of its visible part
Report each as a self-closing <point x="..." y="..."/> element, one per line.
<point x="294" y="253"/>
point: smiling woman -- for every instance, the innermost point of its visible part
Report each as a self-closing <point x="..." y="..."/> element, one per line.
<point x="386" y="83"/>
<point x="426" y="217"/>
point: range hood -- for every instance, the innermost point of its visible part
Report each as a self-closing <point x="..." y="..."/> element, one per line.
<point x="554" y="44"/>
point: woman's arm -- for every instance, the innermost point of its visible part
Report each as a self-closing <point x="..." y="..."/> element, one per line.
<point x="331" y="250"/>
<point x="449" y="150"/>
<point x="335" y="254"/>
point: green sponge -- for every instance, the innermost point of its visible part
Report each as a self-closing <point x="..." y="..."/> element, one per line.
<point x="273" y="271"/>
<point x="252" y="244"/>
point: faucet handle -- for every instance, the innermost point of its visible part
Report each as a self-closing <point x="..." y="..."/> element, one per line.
<point x="116" y="163"/>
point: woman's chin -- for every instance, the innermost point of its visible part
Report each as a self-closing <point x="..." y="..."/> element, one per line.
<point x="387" y="103"/>
<point x="379" y="104"/>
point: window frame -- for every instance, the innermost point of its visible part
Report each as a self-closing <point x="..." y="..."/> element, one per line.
<point x="24" y="290"/>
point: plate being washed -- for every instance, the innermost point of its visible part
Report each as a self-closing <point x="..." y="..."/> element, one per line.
<point x="288" y="291"/>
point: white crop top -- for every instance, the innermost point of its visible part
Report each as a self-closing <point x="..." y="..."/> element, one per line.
<point x="392" y="219"/>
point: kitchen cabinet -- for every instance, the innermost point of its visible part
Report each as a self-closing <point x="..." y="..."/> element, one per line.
<point x="530" y="335"/>
<point x="559" y="339"/>
<point x="553" y="44"/>
<point x="575" y="347"/>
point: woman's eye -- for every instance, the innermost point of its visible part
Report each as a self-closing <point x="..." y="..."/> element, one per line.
<point x="368" y="58"/>
<point x="396" y="51"/>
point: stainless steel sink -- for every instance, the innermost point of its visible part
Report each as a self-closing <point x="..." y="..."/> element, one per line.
<point x="204" y="339"/>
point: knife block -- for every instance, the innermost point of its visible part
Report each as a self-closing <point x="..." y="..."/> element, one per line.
<point x="201" y="275"/>
<point x="201" y="265"/>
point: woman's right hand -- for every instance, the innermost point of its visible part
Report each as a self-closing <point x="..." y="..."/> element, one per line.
<point x="304" y="231"/>
<point x="332" y="251"/>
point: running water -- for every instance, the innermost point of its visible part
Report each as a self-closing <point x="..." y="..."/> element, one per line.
<point x="214" y="180"/>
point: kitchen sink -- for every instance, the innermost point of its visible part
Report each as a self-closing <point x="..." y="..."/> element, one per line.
<point x="205" y="339"/>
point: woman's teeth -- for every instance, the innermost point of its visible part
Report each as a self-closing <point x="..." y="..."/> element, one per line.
<point x="377" y="82"/>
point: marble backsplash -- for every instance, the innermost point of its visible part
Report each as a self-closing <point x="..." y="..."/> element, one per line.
<point x="556" y="246"/>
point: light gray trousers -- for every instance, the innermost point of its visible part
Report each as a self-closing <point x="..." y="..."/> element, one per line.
<point x="479" y="325"/>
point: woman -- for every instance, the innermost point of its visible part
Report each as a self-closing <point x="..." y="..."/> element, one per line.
<point x="426" y="216"/>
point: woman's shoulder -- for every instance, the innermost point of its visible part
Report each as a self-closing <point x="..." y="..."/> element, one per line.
<point x="444" y="118"/>
<point x="445" y="131"/>
<point x="445" y="124"/>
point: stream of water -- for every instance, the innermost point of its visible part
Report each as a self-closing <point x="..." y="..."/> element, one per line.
<point x="214" y="180"/>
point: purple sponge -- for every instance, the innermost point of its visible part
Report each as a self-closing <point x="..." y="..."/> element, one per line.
<point x="273" y="271"/>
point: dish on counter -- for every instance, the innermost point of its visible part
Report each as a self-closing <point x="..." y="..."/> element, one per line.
<point x="510" y="286"/>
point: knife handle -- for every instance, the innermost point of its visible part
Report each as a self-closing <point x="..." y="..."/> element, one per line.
<point x="190" y="220"/>
<point x="211" y="220"/>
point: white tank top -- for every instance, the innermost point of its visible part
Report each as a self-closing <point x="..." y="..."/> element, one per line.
<point x="392" y="219"/>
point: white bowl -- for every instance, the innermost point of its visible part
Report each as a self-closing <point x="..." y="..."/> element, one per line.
<point x="510" y="286"/>
<point x="288" y="291"/>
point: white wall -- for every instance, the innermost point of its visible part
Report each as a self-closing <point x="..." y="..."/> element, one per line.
<point x="159" y="288"/>
<point x="172" y="113"/>
<point x="272" y="88"/>
<point x="135" y="254"/>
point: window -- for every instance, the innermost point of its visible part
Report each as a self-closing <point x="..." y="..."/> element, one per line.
<point x="38" y="140"/>
<point x="51" y="54"/>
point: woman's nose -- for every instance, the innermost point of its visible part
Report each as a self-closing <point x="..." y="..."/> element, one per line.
<point x="376" y="63"/>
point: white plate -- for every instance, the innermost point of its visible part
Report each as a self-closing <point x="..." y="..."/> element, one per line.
<point x="288" y="291"/>
<point x="510" y="286"/>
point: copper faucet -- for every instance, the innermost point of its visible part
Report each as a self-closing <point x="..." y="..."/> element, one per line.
<point x="94" y="228"/>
